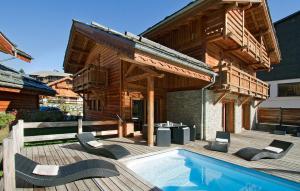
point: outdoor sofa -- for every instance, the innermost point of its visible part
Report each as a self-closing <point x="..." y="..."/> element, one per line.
<point x="83" y="169"/>
<point x="221" y="142"/>
<point x="110" y="151"/>
<point x="254" y="154"/>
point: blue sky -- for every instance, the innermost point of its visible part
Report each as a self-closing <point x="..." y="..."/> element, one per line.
<point x="41" y="27"/>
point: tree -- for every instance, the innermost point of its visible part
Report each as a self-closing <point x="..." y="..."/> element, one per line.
<point x="22" y="71"/>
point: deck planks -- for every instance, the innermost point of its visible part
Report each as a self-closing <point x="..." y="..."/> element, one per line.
<point x="61" y="154"/>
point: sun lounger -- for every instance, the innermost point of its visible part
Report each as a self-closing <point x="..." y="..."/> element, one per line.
<point x="68" y="173"/>
<point x="221" y="142"/>
<point x="275" y="150"/>
<point x="110" y="151"/>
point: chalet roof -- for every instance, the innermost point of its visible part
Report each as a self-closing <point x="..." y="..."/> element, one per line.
<point x="13" y="79"/>
<point x="8" y="47"/>
<point x="142" y="44"/>
<point x="59" y="80"/>
<point x="189" y="10"/>
<point x="287" y="30"/>
<point x="49" y="73"/>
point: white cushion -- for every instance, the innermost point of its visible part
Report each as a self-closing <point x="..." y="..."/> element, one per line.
<point x="95" y="143"/>
<point x="274" y="149"/>
<point x="222" y="140"/>
<point x="46" y="170"/>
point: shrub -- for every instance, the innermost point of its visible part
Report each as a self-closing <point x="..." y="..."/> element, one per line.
<point x="6" y="119"/>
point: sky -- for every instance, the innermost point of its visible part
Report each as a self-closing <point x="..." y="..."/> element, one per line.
<point x="41" y="27"/>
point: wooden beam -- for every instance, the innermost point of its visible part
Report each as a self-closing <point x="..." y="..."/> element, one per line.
<point x="79" y="50"/>
<point x="242" y="101"/>
<point x="137" y="77"/>
<point x="242" y="48"/>
<point x="220" y="98"/>
<point x="171" y="68"/>
<point x="150" y="108"/>
<point x="132" y="86"/>
<point x="130" y="69"/>
<point x="142" y="67"/>
<point x="149" y="70"/>
<point x="259" y="102"/>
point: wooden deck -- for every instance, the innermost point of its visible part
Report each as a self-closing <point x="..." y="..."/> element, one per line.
<point x="287" y="167"/>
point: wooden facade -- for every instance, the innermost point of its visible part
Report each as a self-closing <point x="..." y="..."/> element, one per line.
<point x="114" y="71"/>
<point x="111" y="75"/>
<point x="14" y="99"/>
<point x="233" y="35"/>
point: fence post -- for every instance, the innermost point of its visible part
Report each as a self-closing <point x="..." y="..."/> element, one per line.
<point x="120" y="128"/>
<point x="21" y="133"/>
<point x="9" y="164"/>
<point x="15" y="137"/>
<point x="79" y="125"/>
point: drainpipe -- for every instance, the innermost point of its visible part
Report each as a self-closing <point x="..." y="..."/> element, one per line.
<point x="203" y="113"/>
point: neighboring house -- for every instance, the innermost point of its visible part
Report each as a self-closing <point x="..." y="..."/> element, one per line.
<point x="65" y="96"/>
<point x="17" y="91"/>
<point x="64" y="89"/>
<point x="7" y="47"/>
<point x="284" y="79"/>
<point x="172" y="75"/>
<point x="48" y="76"/>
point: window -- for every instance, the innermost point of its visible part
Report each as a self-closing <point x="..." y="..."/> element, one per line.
<point x="289" y="89"/>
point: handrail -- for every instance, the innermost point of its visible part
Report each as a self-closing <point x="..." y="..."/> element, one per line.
<point x="91" y="75"/>
<point x="240" y="34"/>
<point x="243" y="81"/>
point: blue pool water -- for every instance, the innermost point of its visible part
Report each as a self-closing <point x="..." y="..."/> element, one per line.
<point x="184" y="170"/>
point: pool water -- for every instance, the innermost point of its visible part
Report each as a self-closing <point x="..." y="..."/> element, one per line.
<point x="184" y="170"/>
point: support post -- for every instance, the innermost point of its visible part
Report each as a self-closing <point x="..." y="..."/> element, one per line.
<point x="150" y="108"/>
<point x="9" y="164"/>
<point x="79" y="125"/>
<point x="120" y="128"/>
<point x="21" y="132"/>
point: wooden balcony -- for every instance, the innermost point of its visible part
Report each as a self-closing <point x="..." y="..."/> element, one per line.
<point x="91" y="77"/>
<point x="235" y="80"/>
<point x="229" y="32"/>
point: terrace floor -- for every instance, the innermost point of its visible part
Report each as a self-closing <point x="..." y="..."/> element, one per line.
<point x="287" y="167"/>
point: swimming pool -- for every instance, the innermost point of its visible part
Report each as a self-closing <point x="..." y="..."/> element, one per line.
<point x="184" y="170"/>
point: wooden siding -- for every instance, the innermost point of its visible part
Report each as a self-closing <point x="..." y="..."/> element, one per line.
<point x="235" y="80"/>
<point x="288" y="116"/>
<point x="15" y="101"/>
<point x="107" y="59"/>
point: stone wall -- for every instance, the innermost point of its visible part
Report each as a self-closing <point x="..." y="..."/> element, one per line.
<point x="185" y="107"/>
<point x="238" y="123"/>
<point x="213" y="115"/>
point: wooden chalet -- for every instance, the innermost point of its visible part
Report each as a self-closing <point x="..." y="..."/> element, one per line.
<point x="236" y="39"/>
<point x="17" y="91"/>
<point x="208" y="42"/>
<point x="112" y="70"/>
<point x="64" y="88"/>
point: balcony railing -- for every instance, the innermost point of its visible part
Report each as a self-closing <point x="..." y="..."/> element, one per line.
<point x="90" y="77"/>
<point x="238" y="81"/>
<point x="231" y="27"/>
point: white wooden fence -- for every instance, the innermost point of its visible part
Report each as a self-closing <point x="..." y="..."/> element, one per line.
<point x="15" y="142"/>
